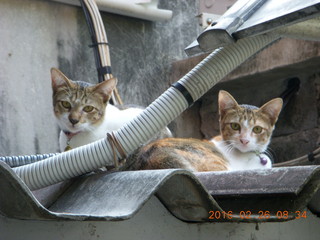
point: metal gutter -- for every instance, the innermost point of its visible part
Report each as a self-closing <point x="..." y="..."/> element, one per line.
<point x="147" y="10"/>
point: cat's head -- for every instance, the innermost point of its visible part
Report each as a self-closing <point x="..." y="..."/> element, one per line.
<point x="247" y="128"/>
<point x="79" y="106"/>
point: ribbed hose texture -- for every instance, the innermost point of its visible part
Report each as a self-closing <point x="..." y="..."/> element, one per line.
<point x="154" y="118"/>
<point x="16" y="161"/>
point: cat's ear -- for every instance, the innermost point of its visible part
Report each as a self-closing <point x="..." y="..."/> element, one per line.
<point x="105" y="88"/>
<point x="272" y="109"/>
<point x="226" y="101"/>
<point x="58" y="79"/>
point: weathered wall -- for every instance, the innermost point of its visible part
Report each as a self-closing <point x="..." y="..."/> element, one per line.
<point x="37" y="35"/>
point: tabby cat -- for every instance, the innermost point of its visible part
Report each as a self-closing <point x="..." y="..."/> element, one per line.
<point x="83" y="113"/>
<point x="245" y="134"/>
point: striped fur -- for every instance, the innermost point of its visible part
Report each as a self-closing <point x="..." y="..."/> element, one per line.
<point x="240" y="146"/>
<point x="191" y="154"/>
<point x="83" y="113"/>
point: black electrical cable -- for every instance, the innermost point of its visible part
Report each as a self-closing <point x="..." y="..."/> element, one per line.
<point x="95" y="43"/>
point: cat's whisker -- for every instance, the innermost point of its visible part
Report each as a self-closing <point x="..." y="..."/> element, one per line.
<point x="262" y="146"/>
<point x="229" y="148"/>
<point x="269" y="153"/>
<point x="90" y="129"/>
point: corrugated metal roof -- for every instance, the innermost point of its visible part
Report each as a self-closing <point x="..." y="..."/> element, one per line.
<point x="107" y="196"/>
<point x="189" y="197"/>
<point x="275" y="192"/>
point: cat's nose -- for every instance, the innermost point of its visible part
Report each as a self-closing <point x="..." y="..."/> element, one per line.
<point x="73" y="121"/>
<point x="244" y="141"/>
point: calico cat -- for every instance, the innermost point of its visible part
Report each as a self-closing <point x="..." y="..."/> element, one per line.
<point x="245" y="134"/>
<point x="83" y="113"/>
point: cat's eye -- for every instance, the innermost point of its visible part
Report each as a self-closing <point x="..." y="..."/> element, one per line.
<point x="88" y="109"/>
<point x="235" y="126"/>
<point x="66" y="104"/>
<point x="257" y="129"/>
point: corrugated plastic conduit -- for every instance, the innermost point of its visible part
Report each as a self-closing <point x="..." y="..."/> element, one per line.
<point x="161" y="112"/>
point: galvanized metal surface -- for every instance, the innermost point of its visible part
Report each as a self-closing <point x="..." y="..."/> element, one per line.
<point x="189" y="197"/>
<point x="272" y="15"/>
<point x="276" y="14"/>
<point x="227" y="24"/>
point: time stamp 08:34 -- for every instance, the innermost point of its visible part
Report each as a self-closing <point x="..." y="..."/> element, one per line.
<point x="216" y="215"/>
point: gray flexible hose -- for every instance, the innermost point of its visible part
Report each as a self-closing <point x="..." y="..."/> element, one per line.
<point x="16" y="161"/>
<point x="161" y="112"/>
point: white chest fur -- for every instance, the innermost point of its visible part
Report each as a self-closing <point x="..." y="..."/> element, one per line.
<point x="113" y="120"/>
<point x="242" y="161"/>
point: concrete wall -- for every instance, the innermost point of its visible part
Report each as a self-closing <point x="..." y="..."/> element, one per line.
<point x="38" y="35"/>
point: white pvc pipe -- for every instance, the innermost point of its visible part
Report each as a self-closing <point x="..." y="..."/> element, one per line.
<point x="155" y="117"/>
<point x="147" y="11"/>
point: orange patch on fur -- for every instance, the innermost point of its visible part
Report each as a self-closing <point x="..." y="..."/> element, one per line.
<point x="192" y="154"/>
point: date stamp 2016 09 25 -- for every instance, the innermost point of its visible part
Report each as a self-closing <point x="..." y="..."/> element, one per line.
<point x="261" y="215"/>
